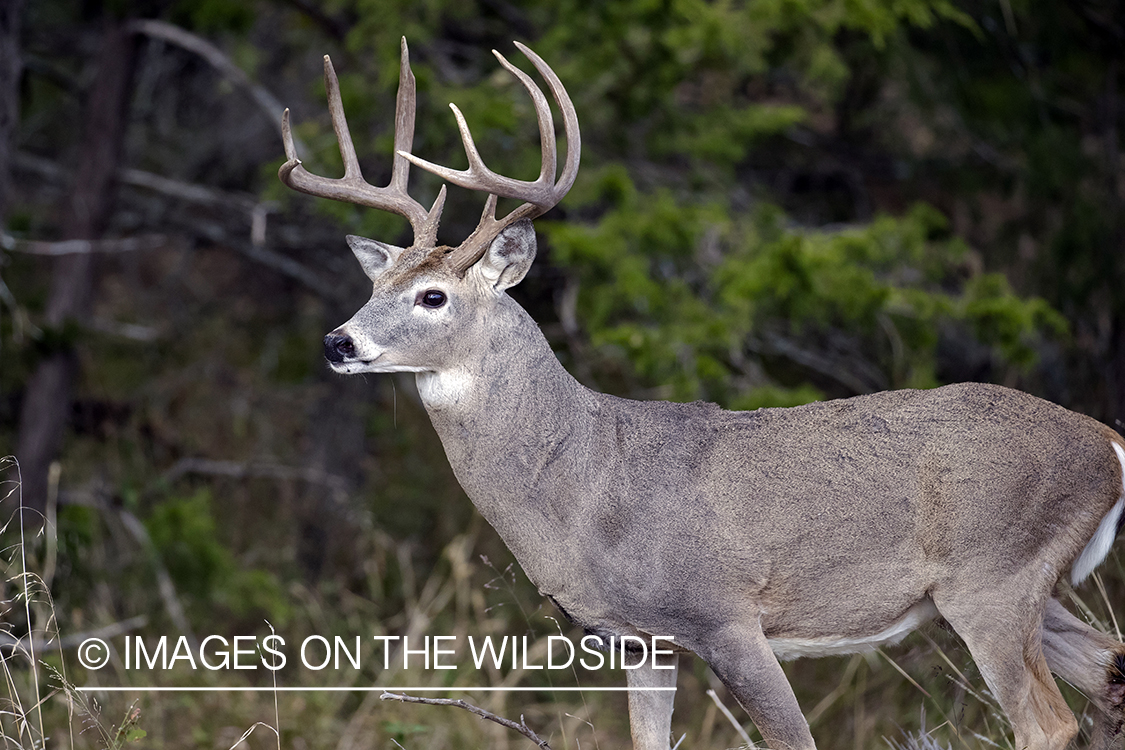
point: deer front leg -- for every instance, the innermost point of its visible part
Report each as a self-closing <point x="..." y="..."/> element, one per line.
<point x="650" y="711"/>
<point x="741" y="657"/>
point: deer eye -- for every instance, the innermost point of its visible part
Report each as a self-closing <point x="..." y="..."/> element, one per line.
<point x="433" y="298"/>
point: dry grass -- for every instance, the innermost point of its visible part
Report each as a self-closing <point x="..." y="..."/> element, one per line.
<point x="861" y="701"/>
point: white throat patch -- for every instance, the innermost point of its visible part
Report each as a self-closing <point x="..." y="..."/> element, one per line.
<point x="444" y="388"/>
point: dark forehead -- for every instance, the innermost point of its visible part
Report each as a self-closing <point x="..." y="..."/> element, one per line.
<point x="420" y="261"/>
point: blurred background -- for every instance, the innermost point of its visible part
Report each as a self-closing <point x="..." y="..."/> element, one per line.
<point x="780" y="201"/>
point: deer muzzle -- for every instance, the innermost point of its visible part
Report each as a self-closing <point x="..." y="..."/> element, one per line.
<point x="338" y="347"/>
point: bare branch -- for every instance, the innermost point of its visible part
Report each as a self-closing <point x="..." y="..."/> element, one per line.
<point x="112" y="630"/>
<point x="131" y="331"/>
<point x="855" y="374"/>
<point x="78" y="247"/>
<point x="22" y="320"/>
<point x="244" y="470"/>
<point x="185" y="191"/>
<point x="521" y="727"/>
<point x="45" y="168"/>
<point x="266" y="101"/>
<point x="285" y="265"/>
<point x="189" y="193"/>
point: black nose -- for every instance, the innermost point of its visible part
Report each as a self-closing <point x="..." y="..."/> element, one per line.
<point x="338" y="347"/>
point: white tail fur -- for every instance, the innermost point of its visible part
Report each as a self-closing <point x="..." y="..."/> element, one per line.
<point x="1098" y="547"/>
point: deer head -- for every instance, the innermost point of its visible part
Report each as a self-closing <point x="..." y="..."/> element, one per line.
<point x="428" y="300"/>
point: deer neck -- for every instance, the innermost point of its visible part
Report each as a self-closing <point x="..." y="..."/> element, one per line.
<point x="515" y="427"/>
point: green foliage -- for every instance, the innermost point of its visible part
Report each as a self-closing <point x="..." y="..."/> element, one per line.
<point x="401" y="731"/>
<point x="1003" y="320"/>
<point x="685" y="82"/>
<point x="128" y="731"/>
<point x="724" y="308"/>
<point x="184" y="533"/>
<point x="725" y="134"/>
<point x="1030" y="95"/>
<point x="770" y="396"/>
<point x="212" y="16"/>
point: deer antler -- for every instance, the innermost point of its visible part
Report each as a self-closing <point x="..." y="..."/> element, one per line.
<point x="352" y="188"/>
<point x="542" y="194"/>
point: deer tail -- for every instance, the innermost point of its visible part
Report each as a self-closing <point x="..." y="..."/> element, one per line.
<point x="1098" y="547"/>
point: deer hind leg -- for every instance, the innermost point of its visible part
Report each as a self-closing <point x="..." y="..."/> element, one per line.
<point x="1006" y="642"/>
<point x="742" y="659"/>
<point x="650" y="711"/>
<point x="1092" y="662"/>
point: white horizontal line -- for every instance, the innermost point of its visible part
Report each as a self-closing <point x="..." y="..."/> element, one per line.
<point x="186" y="689"/>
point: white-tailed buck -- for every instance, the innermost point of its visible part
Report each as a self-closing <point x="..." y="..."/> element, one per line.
<point x="748" y="536"/>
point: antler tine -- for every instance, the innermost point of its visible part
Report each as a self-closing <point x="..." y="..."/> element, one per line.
<point x="287" y="142"/>
<point x="541" y="194"/>
<point x="570" y="120"/>
<point x="479" y="177"/>
<point x="352" y="188"/>
<point x="340" y="123"/>
<point x="543" y="116"/>
<point x="405" y="108"/>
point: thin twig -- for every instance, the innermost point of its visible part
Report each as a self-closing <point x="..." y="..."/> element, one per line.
<point x="21" y="320"/>
<point x="1109" y="607"/>
<point x="34" y="661"/>
<point x="902" y="672"/>
<point x="189" y="192"/>
<point x="730" y="717"/>
<point x="521" y="727"/>
<point x="938" y="650"/>
<point x="288" y="267"/>
<point x="250" y="731"/>
<point x="840" y="691"/>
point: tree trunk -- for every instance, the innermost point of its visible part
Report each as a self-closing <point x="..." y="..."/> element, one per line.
<point x="9" y="96"/>
<point x="47" y="399"/>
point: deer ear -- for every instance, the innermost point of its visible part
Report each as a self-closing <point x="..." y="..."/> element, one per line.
<point x="375" y="257"/>
<point x="509" y="257"/>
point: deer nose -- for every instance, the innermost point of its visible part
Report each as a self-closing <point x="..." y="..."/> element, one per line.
<point x="338" y="347"/>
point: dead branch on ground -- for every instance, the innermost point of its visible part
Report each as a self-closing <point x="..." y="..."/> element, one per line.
<point x="521" y="727"/>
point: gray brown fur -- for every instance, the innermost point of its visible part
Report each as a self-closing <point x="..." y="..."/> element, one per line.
<point x="824" y="528"/>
